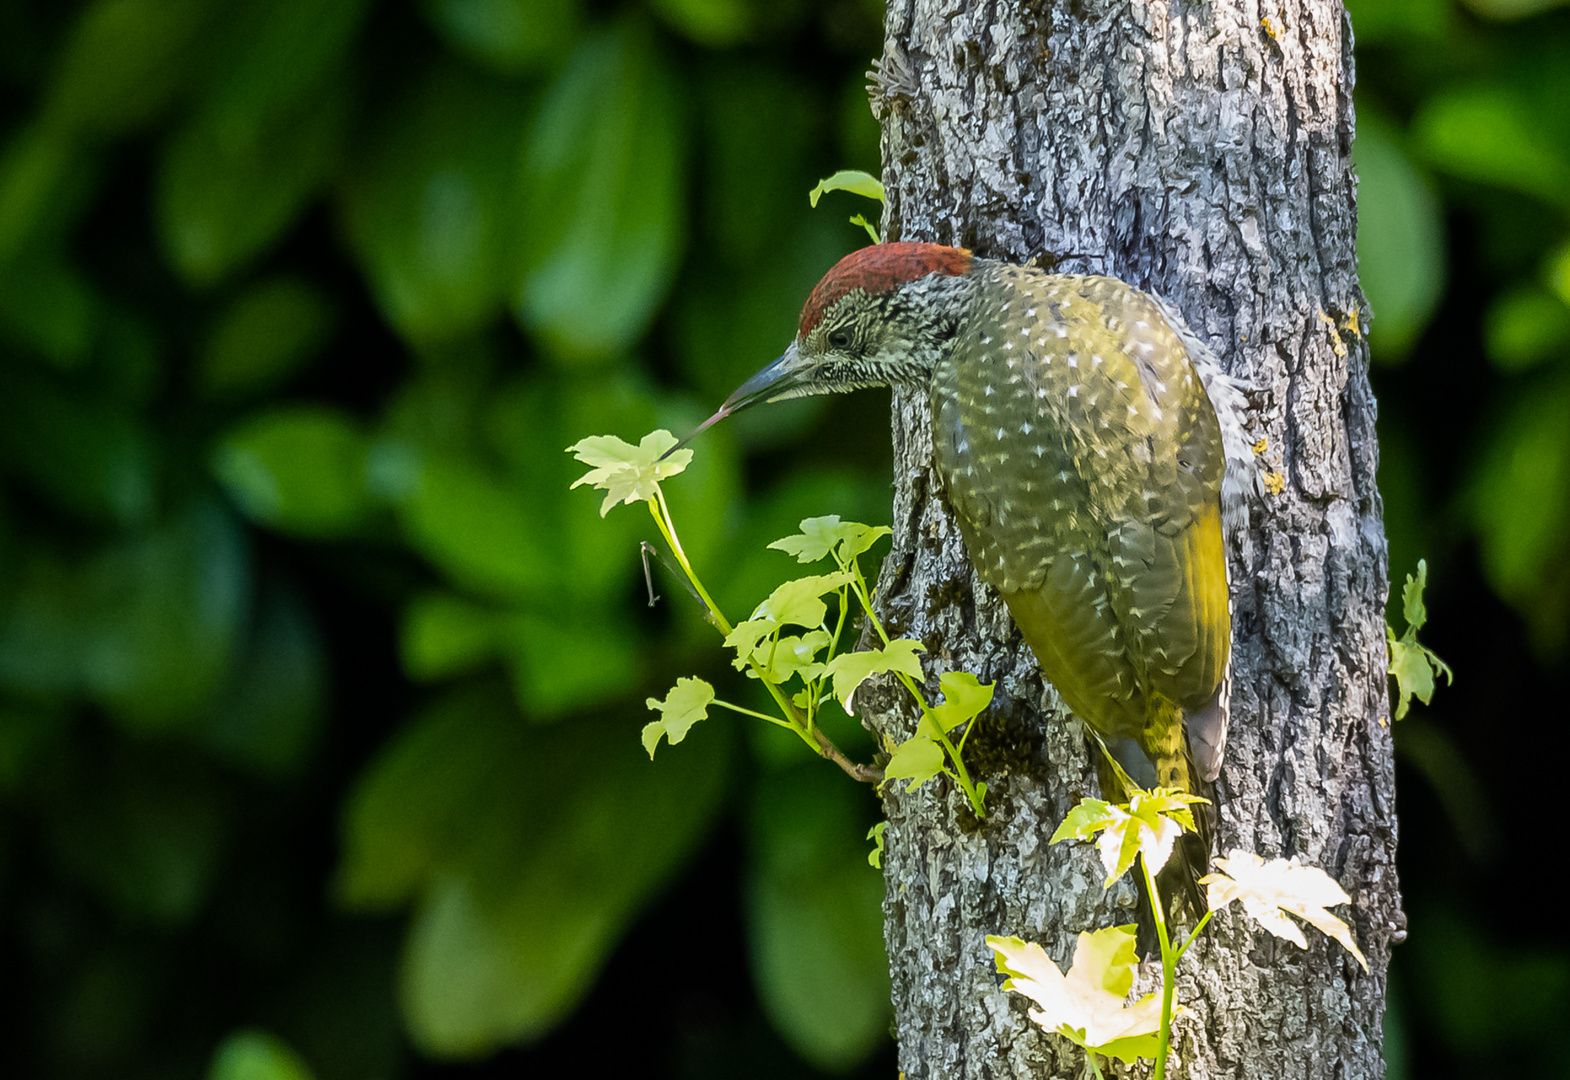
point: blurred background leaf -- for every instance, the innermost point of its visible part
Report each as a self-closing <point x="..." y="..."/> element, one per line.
<point x="428" y="202"/>
<point x="256" y="1055"/>
<point x="602" y="203"/>
<point x="815" y="908"/>
<point x="300" y="304"/>
<point x="511" y="36"/>
<point x="1400" y="239"/>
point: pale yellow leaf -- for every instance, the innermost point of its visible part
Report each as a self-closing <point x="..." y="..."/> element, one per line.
<point x="1269" y="891"/>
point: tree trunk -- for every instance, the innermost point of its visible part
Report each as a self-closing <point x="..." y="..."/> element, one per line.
<point x="1200" y="151"/>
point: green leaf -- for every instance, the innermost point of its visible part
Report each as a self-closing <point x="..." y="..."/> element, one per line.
<point x="429" y="204"/>
<point x="47" y="180"/>
<point x="1557" y="276"/>
<point x="1272" y="890"/>
<point x="964" y="698"/>
<point x="474" y="527"/>
<point x="267" y="58"/>
<point x="526" y="867"/>
<point x="300" y="470"/>
<point x="49" y="307"/>
<point x="1164" y="802"/>
<point x="686" y="703"/>
<point x="875" y="834"/>
<point x="814" y="918"/>
<point x="1488" y="133"/>
<point x="745" y="636"/>
<point x="799" y="601"/>
<point x="917" y="759"/>
<point x="852" y="669"/>
<point x="786" y="657"/>
<point x="1416" y="670"/>
<point x="124" y="62"/>
<point x="224" y="196"/>
<point x="405" y="817"/>
<point x="1412" y="608"/>
<point x="265" y="336"/>
<point x="80" y="449"/>
<point x="1414" y="665"/>
<point x="1516" y="504"/>
<point x="444" y="634"/>
<point x="852" y="180"/>
<point x="1524" y="327"/>
<point x="570" y="658"/>
<point x="759" y="120"/>
<point x="872" y="231"/>
<point x="1147" y="826"/>
<point x="1087" y="818"/>
<point x="269" y="717"/>
<point x="714" y="23"/>
<point x="603" y="198"/>
<point x="818" y="537"/>
<point x="822" y="536"/>
<point x="512" y="37"/>
<point x="627" y="473"/>
<point x="1085" y="1006"/>
<point x="1413" y="674"/>
<point x="1400" y="239"/>
<point x="256" y="1055"/>
<point x="173" y="603"/>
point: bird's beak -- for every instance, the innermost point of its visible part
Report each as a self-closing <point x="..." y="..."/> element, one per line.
<point x="770" y="384"/>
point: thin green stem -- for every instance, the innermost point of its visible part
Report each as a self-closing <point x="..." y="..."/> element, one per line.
<point x="776" y="721"/>
<point x="865" y="596"/>
<point x="1203" y="921"/>
<point x="1168" y="972"/>
<point x="774" y="648"/>
<point x="960" y="773"/>
<point x="1095" y="1068"/>
<point x="865" y="599"/>
<point x="662" y="518"/>
<point x="819" y="742"/>
<point x="834" y="642"/>
<point x="970" y="725"/>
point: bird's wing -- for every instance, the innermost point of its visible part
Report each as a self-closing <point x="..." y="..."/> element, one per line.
<point x="1084" y="463"/>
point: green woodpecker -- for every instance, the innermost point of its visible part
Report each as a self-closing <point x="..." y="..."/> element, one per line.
<point x="1094" y="455"/>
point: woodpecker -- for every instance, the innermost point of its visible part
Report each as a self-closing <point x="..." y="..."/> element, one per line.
<point x="1094" y="455"/>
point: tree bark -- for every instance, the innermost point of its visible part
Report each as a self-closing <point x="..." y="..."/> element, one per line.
<point x="1200" y="151"/>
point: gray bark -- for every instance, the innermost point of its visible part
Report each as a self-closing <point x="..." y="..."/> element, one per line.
<point x="1192" y="150"/>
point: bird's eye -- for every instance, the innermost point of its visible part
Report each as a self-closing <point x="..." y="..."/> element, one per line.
<point x="839" y="339"/>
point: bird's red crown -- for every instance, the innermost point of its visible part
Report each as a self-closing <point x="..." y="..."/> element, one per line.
<point x="880" y="268"/>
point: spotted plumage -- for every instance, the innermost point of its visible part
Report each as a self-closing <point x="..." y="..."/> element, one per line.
<point x="1094" y="456"/>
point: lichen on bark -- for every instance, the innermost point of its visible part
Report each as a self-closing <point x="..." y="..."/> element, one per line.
<point x="1200" y="151"/>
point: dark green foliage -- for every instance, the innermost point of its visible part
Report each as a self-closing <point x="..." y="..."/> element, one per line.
<point x="1463" y="154"/>
<point x="299" y="304"/>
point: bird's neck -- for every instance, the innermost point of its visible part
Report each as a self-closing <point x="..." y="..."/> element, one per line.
<point x="931" y="313"/>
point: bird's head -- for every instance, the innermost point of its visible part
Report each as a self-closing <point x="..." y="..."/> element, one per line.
<point x="883" y="316"/>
